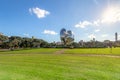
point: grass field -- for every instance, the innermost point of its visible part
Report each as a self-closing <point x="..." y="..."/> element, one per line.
<point x="112" y="51"/>
<point x="45" y="64"/>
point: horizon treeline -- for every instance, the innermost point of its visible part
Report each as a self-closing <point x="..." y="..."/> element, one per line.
<point x="16" y="42"/>
<point x="21" y="42"/>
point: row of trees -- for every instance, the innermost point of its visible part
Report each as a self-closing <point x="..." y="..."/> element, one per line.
<point x="24" y="42"/>
<point x="20" y="42"/>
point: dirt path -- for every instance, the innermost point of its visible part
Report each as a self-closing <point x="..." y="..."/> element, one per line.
<point x="2" y="50"/>
<point x="60" y="51"/>
<point x="98" y="55"/>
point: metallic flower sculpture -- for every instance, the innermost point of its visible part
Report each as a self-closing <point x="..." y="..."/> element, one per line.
<point x="66" y="36"/>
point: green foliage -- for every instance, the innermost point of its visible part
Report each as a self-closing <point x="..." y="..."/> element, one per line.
<point x="3" y="38"/>
<point x="19" y="42"/>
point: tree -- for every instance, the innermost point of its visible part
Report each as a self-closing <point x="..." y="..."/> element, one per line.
<point x="14" y="41"/>
<point x="3" y="39"/>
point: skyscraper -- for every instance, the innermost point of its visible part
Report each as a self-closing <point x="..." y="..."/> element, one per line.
<point x="116" y="36"/>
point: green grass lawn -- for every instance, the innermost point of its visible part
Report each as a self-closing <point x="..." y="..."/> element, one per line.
<point x="32" y="51"/>
<point x="95" y="51"/>
<point x="44" y="64"/>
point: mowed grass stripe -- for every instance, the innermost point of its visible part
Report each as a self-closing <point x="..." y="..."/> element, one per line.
<point x="94" y="51"/>
<point x="34" y="66"/>
<point x="39" y="50"/>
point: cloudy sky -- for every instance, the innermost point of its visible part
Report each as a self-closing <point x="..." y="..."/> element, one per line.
<point x="44" y="19"/>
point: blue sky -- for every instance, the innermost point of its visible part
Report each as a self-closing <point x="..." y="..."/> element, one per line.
<point x="44" y="19"/>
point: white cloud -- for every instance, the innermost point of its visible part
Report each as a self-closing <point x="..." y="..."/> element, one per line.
<point x="50" y="32"/>
<point x="111" y="15"/>
<point x="96" y="23"/>
<point x="87" y="23"/>
<point x="118" y="36"/>
<point x="40" y="13"/>
<point x="83" y="24"/>
<point x="97" y="30"/>
<point x="104" y="35"/>
<point x="91" y="36"/>
<point x="26" y="34"/>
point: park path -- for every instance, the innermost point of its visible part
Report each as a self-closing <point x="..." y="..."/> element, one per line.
<point x="97" y="55"/>
<point x="101" y="55"/>
<point x="60" y="51"/>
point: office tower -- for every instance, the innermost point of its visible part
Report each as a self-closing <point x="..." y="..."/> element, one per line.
<point x="116" y="36"/>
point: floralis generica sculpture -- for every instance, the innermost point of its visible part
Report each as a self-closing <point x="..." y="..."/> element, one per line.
<point x="66" y="37"/>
